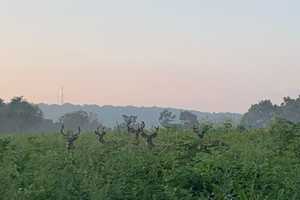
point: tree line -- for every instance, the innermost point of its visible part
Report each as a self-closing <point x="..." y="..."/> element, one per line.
<point x="20" y="116"/>
<point x="260" y="115"/>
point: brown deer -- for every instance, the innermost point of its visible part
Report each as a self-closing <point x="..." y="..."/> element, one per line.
<point x="70" y="137"/>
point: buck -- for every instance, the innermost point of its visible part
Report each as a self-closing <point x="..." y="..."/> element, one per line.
<point x="133" y="126"/>
<point x="70" y="137"/>
<point x="136" y="128"/>
<point x="149" y="136"/>
<point x="100" y="134"/>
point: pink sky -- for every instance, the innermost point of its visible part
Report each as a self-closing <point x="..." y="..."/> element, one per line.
<point x="192" y="55"/>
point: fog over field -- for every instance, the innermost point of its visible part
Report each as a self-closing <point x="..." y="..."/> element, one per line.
<point x="111" y="115"/>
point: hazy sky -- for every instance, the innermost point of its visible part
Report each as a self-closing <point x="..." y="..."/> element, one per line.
<point x="212" y="55"/>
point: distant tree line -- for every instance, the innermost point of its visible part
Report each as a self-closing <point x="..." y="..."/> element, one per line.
<point x="261" y="115"/>
<point x="20" y="116"/>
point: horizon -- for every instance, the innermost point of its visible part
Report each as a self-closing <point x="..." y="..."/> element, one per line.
<point x="147" y="107"/>
<point x="195" y="55"/>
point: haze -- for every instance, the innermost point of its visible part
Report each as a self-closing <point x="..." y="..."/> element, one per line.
<point x="204" y="55"/>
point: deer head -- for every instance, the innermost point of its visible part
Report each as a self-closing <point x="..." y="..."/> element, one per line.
<point x="70" y="136"/>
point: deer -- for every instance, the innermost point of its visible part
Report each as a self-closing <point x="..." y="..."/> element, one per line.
<point x="136" y="128"/>
<point x="100" y="134"/>
<point x="149" y="136"/>
<point x="70" y="136"/>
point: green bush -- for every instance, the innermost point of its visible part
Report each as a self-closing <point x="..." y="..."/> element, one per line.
<point x="257" y="164"/>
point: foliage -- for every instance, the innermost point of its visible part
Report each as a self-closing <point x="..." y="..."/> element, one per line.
<point x="87" y="121"/>
<point x="166" y="118"/>
<point x="188" y="118"/>
<point x="21" y="116"/>
<point x="260" y="115"/>
<point x="258" y="164"/>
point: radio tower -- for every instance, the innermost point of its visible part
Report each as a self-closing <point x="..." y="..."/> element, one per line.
<point x="61" y="96"/>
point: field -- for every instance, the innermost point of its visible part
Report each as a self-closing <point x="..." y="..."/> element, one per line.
<point x="257" y="164"/>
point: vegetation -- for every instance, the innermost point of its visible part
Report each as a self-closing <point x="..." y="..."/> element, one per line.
<point x="20" y="116"/>
<point x="253" y="164"/>
<point x="188" y="158"/>
<point x="87" y="121"/>
<point x="260" y="115"/>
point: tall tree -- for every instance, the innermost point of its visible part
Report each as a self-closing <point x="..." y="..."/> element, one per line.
<point x="20" y="116"/>
<point x="259" y="115"/>
<point x="189" y="119"/>
<point x="86" y="121"/>
<point x="166" y="118"/>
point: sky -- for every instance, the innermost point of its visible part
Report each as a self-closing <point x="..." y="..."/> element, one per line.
<point x="215" y="56"/>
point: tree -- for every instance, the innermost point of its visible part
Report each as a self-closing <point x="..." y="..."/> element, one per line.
<point x="22" y="116"/>
<point x="87" y="121"/>
<point x="166" y="118"/>
<point x="290" y="109"/>
<point x="188" y="118"/>
<point x="129" y="119"/>
<point x="259" y="115"/>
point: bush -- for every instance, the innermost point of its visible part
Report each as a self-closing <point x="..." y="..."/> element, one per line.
<point x="232" y="166"/>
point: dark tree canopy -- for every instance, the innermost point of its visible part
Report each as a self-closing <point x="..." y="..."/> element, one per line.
<point x="87" y="121"/>
<point x="188" y="118"/>
<point x="166" y="118"/>
<point x="19" y="116"/>
<point x="260" y="115"/>
<point x="129" y="119"/>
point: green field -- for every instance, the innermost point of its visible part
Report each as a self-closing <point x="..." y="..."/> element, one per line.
<point x="258" y="164"/>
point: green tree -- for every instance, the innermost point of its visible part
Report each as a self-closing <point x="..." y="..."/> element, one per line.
<point x="259" y="115"/>
<point x="22" y="116"/>
<point x="86" y="121"/>
<point x="166" y="118"/>
<point x="189" y="119"/>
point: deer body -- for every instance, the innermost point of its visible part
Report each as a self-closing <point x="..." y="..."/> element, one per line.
<point x="136" y="128"/>
<point x="149" y="137"/>
<point x="70" y="137"/>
